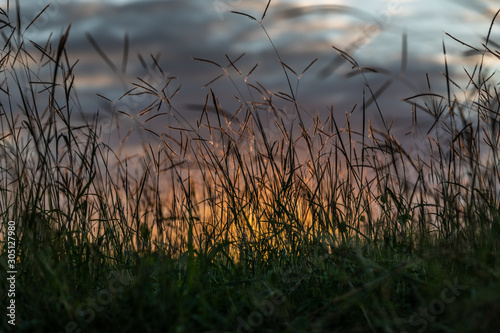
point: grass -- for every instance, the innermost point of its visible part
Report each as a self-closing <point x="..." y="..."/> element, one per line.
<point x="222" y="224"/>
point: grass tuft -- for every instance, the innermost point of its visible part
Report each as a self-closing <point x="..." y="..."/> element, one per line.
<point x="259" y="217"/>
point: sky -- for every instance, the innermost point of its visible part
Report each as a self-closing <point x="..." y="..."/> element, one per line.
<point x="176" y="31"/>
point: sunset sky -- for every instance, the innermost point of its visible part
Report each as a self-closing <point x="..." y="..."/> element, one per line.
<point x="179" y="30"/>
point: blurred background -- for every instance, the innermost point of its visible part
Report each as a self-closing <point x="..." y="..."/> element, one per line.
<point x="115" y="42"/>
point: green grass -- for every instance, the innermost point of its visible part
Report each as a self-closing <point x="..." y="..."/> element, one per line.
<point x="221" y="224"/>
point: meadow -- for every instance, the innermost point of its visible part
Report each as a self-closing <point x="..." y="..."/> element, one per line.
<point x="223" y="225"/>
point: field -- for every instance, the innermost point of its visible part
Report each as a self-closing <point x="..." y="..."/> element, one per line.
<point x="221" y="225"/>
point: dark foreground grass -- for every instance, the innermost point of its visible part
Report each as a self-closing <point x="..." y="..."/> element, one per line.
<point x="222" y="224"/>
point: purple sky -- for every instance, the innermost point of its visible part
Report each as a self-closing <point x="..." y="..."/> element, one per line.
<point x="178" y="30"/>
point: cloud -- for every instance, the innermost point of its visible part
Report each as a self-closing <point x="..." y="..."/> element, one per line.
<point x="175" y="31"/>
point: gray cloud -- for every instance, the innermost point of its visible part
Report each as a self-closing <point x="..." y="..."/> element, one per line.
<point x="178" y="30"/>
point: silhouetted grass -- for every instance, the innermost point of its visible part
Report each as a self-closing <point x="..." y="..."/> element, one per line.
<point x="223" y="224"/>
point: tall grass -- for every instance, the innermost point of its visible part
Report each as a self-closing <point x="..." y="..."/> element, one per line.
<point x="226" y="198"/>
